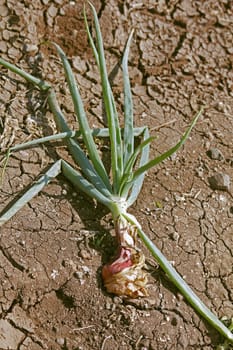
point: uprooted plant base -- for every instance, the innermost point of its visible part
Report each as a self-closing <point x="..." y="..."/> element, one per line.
<point x="125" y="275"/>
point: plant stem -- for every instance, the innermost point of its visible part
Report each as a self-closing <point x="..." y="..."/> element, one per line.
<point x="186" y="291"/>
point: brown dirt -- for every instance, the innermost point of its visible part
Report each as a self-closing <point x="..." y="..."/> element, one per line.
<point x="51" y="252"/>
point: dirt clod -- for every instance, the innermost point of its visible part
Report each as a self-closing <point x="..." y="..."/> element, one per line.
<point x="220" y="181"/>
<point x="215" y="153"/>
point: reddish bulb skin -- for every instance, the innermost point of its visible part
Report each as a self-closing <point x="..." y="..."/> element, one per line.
<point x="124" y="275"/>
<point x="123" y="261"/>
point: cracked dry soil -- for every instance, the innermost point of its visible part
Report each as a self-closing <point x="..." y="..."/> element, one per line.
<point x="51" y="252"/>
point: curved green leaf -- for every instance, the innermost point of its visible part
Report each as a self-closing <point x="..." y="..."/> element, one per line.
<point x="83" y="123"/>
<point x="128" y="171"/>
<point x="128" y="106"/>
<point x="137" y="183"/>
<point x="166" y="154"/>
<point x="110" y="108"/>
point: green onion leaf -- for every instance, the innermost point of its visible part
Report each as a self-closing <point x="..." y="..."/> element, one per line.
<point x="83" y="123"/>
<point x="128" y="171"/>
<point x="112" y="117"/>
<point x="128" y="106"/>
<point x="83" y="184"/>
<point x="138" y="182"/>
<point x="168" y="153"/>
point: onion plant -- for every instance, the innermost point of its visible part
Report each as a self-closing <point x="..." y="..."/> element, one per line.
<point x="125" y="274"/>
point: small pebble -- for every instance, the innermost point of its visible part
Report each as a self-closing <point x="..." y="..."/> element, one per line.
<point x="52" y="11"/>
<point x="215" y="153"/>
<point x="175" y="236"/>
<point x="31" y="48"/>
<point x="220" y="181"/>
<point x="60" y="341"/>
<point x="84" y="254"/>
<point x="179" y="297"/>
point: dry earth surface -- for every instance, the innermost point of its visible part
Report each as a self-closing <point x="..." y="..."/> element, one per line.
<point x="51" y="252"/>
